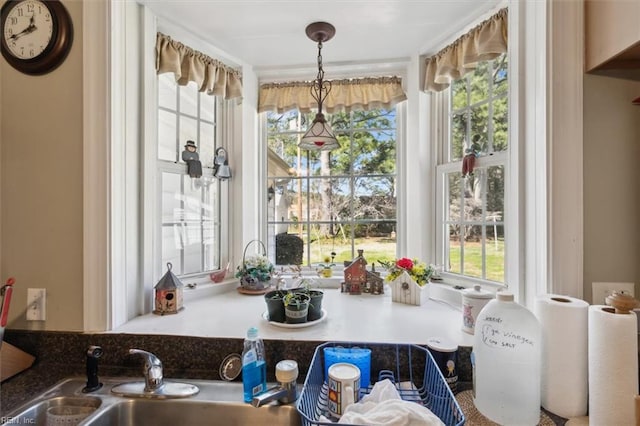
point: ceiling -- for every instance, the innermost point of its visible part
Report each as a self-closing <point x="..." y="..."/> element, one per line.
<point x="270" y="35"/>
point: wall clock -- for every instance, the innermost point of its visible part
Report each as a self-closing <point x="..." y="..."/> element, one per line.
<point x="36" y="35"/>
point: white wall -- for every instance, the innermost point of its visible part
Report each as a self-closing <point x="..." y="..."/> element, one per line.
<point x="41" y="186"/>
<point x="611" y="182"/>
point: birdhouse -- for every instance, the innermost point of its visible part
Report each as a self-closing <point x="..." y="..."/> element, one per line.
<point x="168" y="294"/>
<point x="405" y="290"/>
<point x="355" y="275"/>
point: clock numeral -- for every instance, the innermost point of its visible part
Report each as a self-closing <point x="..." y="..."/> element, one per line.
<point x="20" y="12"/>
<point x="13" y="20"/>
<point x="30" y="7"/>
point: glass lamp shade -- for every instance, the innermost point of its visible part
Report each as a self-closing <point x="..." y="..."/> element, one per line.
<point x="319" y="137"/>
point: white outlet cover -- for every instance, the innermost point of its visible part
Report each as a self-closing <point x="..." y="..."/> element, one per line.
<point x="36" y="303"/>
<point x="600" y="290"/>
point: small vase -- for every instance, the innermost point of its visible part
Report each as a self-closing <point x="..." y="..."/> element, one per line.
<point x="325" y="272"/>
<point x="251" y="283"/>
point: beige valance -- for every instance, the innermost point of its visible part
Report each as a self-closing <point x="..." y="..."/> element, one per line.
<point x="484" y="42"/>
<point x="345" y="95"/>
<point x="211" y="75"/>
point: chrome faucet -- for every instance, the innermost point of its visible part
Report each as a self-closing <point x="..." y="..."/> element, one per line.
<point x="152" y="370"/>
<point x="286" y="392"/>
<point x="154" y="385"/>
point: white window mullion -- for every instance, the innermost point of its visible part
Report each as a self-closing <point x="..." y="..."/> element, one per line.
<point x="482" y="108"/>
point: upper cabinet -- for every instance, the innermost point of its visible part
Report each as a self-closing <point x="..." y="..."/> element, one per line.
<point x="612" y="37"/>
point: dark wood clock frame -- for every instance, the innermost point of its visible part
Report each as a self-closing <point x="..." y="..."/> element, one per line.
<point x="56" y="51"/>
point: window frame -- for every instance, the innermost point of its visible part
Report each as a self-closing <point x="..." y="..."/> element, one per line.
<point x="178" y="167"/>
<point x="351" y="176"/>
<point x="152" y="168"/>
<point x="440" y="103"/>
<point x="133" y="265"/>
<point x="108" y="277"/>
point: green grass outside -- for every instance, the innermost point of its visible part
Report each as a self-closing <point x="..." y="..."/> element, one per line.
<point x="473" y="259"/>
<point x="375" y="249"/>
<point x="384" y="249"/>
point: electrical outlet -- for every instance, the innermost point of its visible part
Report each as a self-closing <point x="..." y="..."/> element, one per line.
<point x="601" y="290"/>
<point x="36" y="302"/>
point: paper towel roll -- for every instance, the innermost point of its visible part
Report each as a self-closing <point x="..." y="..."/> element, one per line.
<point x="564" y="382"/>
<point x="613" y="366"/>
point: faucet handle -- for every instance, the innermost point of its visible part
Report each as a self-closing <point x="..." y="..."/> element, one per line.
<point x="152" y="369"/>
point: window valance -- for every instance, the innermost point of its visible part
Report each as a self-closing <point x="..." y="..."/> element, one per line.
<point x="211" y="75"/>
<point x="345" y="95"/>
<point x="486" y="41"/>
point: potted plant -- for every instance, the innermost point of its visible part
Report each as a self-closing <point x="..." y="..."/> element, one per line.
<point x="296" y="307"/>
<point x="256" y="270"/>
<point x="326" y="270"/>
<point x="275" y="305"/>
<point x="315" y="298"/>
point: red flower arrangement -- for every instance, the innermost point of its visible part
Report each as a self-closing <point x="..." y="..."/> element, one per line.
<point x="418" y="271"/>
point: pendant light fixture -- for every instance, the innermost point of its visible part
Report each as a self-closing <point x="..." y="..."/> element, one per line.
<point x="320" y="137"/>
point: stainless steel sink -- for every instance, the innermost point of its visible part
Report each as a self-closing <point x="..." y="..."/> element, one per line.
<point x="217" y="403"/>
<point x="36" y="413"/>
<point x="185" y="412"/>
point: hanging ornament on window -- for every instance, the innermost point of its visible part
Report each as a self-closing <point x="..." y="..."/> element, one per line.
<point x="471" y="153"/>
<point x="191" y="157"/>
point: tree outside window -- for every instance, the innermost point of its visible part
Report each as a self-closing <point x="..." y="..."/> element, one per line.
<point x="333" y="202"/>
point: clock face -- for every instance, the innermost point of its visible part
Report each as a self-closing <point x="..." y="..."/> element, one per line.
<point x="28" y="29"/>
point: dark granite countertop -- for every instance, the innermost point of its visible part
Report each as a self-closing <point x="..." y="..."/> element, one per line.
<point x="60" y="355"/>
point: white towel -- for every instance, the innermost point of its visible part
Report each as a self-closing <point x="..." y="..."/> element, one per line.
<point x="384" y="406"/>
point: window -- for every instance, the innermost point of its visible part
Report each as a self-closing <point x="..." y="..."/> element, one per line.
<point x="340" y="201"/>
<point x="189" y="217"/>
<point x="472" y="212"/>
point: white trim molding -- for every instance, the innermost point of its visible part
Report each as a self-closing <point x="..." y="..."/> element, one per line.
<point x="96" y="160"/>
<point x="530" y="94"/>
<point x="565" y="151"/>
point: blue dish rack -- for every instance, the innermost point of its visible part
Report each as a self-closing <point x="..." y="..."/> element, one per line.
<point x="410" y="367"/>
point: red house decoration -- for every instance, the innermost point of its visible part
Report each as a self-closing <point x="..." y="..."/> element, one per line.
<point x="355" y="275"/>
<point x="168" y="298"/>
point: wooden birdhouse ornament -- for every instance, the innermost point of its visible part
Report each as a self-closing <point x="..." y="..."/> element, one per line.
<point x="404" y="289"/>
<point x="168" y="294"/>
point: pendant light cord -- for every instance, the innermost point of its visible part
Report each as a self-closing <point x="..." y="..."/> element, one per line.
<point x="320" y="85"/>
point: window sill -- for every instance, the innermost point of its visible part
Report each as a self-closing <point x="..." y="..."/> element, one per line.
<point x="361" y="318"/>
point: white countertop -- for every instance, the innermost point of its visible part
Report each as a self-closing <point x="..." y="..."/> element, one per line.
<point x="355" y="318"/>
